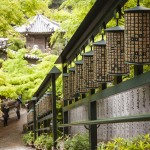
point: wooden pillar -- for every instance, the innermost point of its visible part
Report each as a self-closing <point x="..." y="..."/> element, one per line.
<point x="138" y="69"/>
<point x="34" y="119"/>
<point x="54" y="110"/>
<point x="92" y="128"/>
<point x="118" y="79"/>
<point x="65" y="114"/>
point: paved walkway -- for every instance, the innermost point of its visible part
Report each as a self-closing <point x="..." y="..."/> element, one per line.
<point x="11" y="135"/>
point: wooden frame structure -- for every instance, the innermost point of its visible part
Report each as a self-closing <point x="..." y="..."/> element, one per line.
<point x="99" y="15"/>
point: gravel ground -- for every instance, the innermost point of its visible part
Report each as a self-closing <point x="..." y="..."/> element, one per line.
<point x="11" y="135"/>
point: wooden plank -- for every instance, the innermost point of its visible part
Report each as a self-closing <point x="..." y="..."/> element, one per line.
<point x="135" y="118"/>
<point x="46" y="117"/>
<point x="43" y="129"/>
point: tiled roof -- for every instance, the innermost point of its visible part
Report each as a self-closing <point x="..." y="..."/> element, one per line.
<point x="39" y="24"/>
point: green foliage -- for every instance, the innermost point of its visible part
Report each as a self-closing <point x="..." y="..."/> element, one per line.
<point x="141" y="142"/>
<point x="21" y="9"/>
<point x="77" y="142"/>
<point x="18" y="78"/>
<point x="31" y="8"/>
<point x="54" y="3"/>
<point x="69" y="17"/>
<point x="146" y="68"/>
<point x="16" y="44"/>
<point x="71" y="24"/>
<point x="28" y="138"/>
<point x="44" y="142"/>
<point x="9" y="19"/>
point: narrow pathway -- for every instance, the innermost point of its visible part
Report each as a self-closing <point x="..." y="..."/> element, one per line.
<point x="11" y="135"/>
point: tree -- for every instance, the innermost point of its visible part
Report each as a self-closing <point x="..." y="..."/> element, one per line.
<point x="18" y="78"/>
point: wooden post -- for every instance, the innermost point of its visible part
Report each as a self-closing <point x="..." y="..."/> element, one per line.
<point x="53" y="73"/>
<point x="54" y="110"/>
<point x="138" y="69"/>
<point x="92" y="128"/>
<point x="65" y="114"/>
<point x="34" y="121"/>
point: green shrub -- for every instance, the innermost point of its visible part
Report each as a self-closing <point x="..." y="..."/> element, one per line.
<point x="77" y="142"/>
<point x="141" y="142"/>
<point x="28" y="138"/>
<point x="44" y="142"/>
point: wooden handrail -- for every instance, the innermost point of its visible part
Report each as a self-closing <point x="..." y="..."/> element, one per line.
<point x="135" y="118"/>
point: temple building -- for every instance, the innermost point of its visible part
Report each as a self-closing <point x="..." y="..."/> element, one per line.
<point x="38" y="32"/>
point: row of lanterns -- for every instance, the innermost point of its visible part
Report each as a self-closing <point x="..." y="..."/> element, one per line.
<point x="43" y="106"/>
<point x="112" y="57"/>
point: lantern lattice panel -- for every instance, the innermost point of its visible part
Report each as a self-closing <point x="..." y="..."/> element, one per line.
<point x="137" y="35"/>
<point x="115" y="51"/>
<point x="44" y="106"/>
<point x="37" y="109"/>
<point x="80" y="85"/>
<point x="71" y="82"/>
<point x="40" y="107"/>
<point x="100" y="62"/>
<point x="49" y="102"/>
<point x="66" y="86"/>
<point x="88" y="70"/>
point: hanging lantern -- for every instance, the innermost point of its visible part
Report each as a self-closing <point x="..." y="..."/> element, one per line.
<point x="100" y="62"/>
<point x="66" y="86"/>
<point x="40" y="107"/>
<point x="37" y="109"/>
<point x="115" y="51"/>
<point x="71" y="82"/>
<point x="49" y="101"/>
<point x="88" y="70"/>
<point x="137" y="35"/>
<point x="80" y="85"/>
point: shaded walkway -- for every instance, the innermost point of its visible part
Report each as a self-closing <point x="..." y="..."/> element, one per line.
<point x="11" y="135"/>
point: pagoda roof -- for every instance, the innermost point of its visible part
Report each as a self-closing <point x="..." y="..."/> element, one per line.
<point x="26" y="56"/>
<point x="37" y="25"/>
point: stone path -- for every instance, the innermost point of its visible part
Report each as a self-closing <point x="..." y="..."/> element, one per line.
<point x="11" y="135"/>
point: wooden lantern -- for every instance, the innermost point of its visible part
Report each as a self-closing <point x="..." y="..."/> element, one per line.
<point x="88" y="70"/>
<point x="66" y="86"/>
<point x="49" y="101"/>
<point x="71" y="82"/>
<point x="115" y="51"/>
<point x="100" y="62"/>
<point x="80" y="85"/>
<point x="137" y="35"/>
<point x="40" y="107"/>
<point x="44" y="104"/>
<point x="37" y="109"/>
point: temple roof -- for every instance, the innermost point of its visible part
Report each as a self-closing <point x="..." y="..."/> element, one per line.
<point x="26" y="56"/>
<point x="38" y="24"/>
